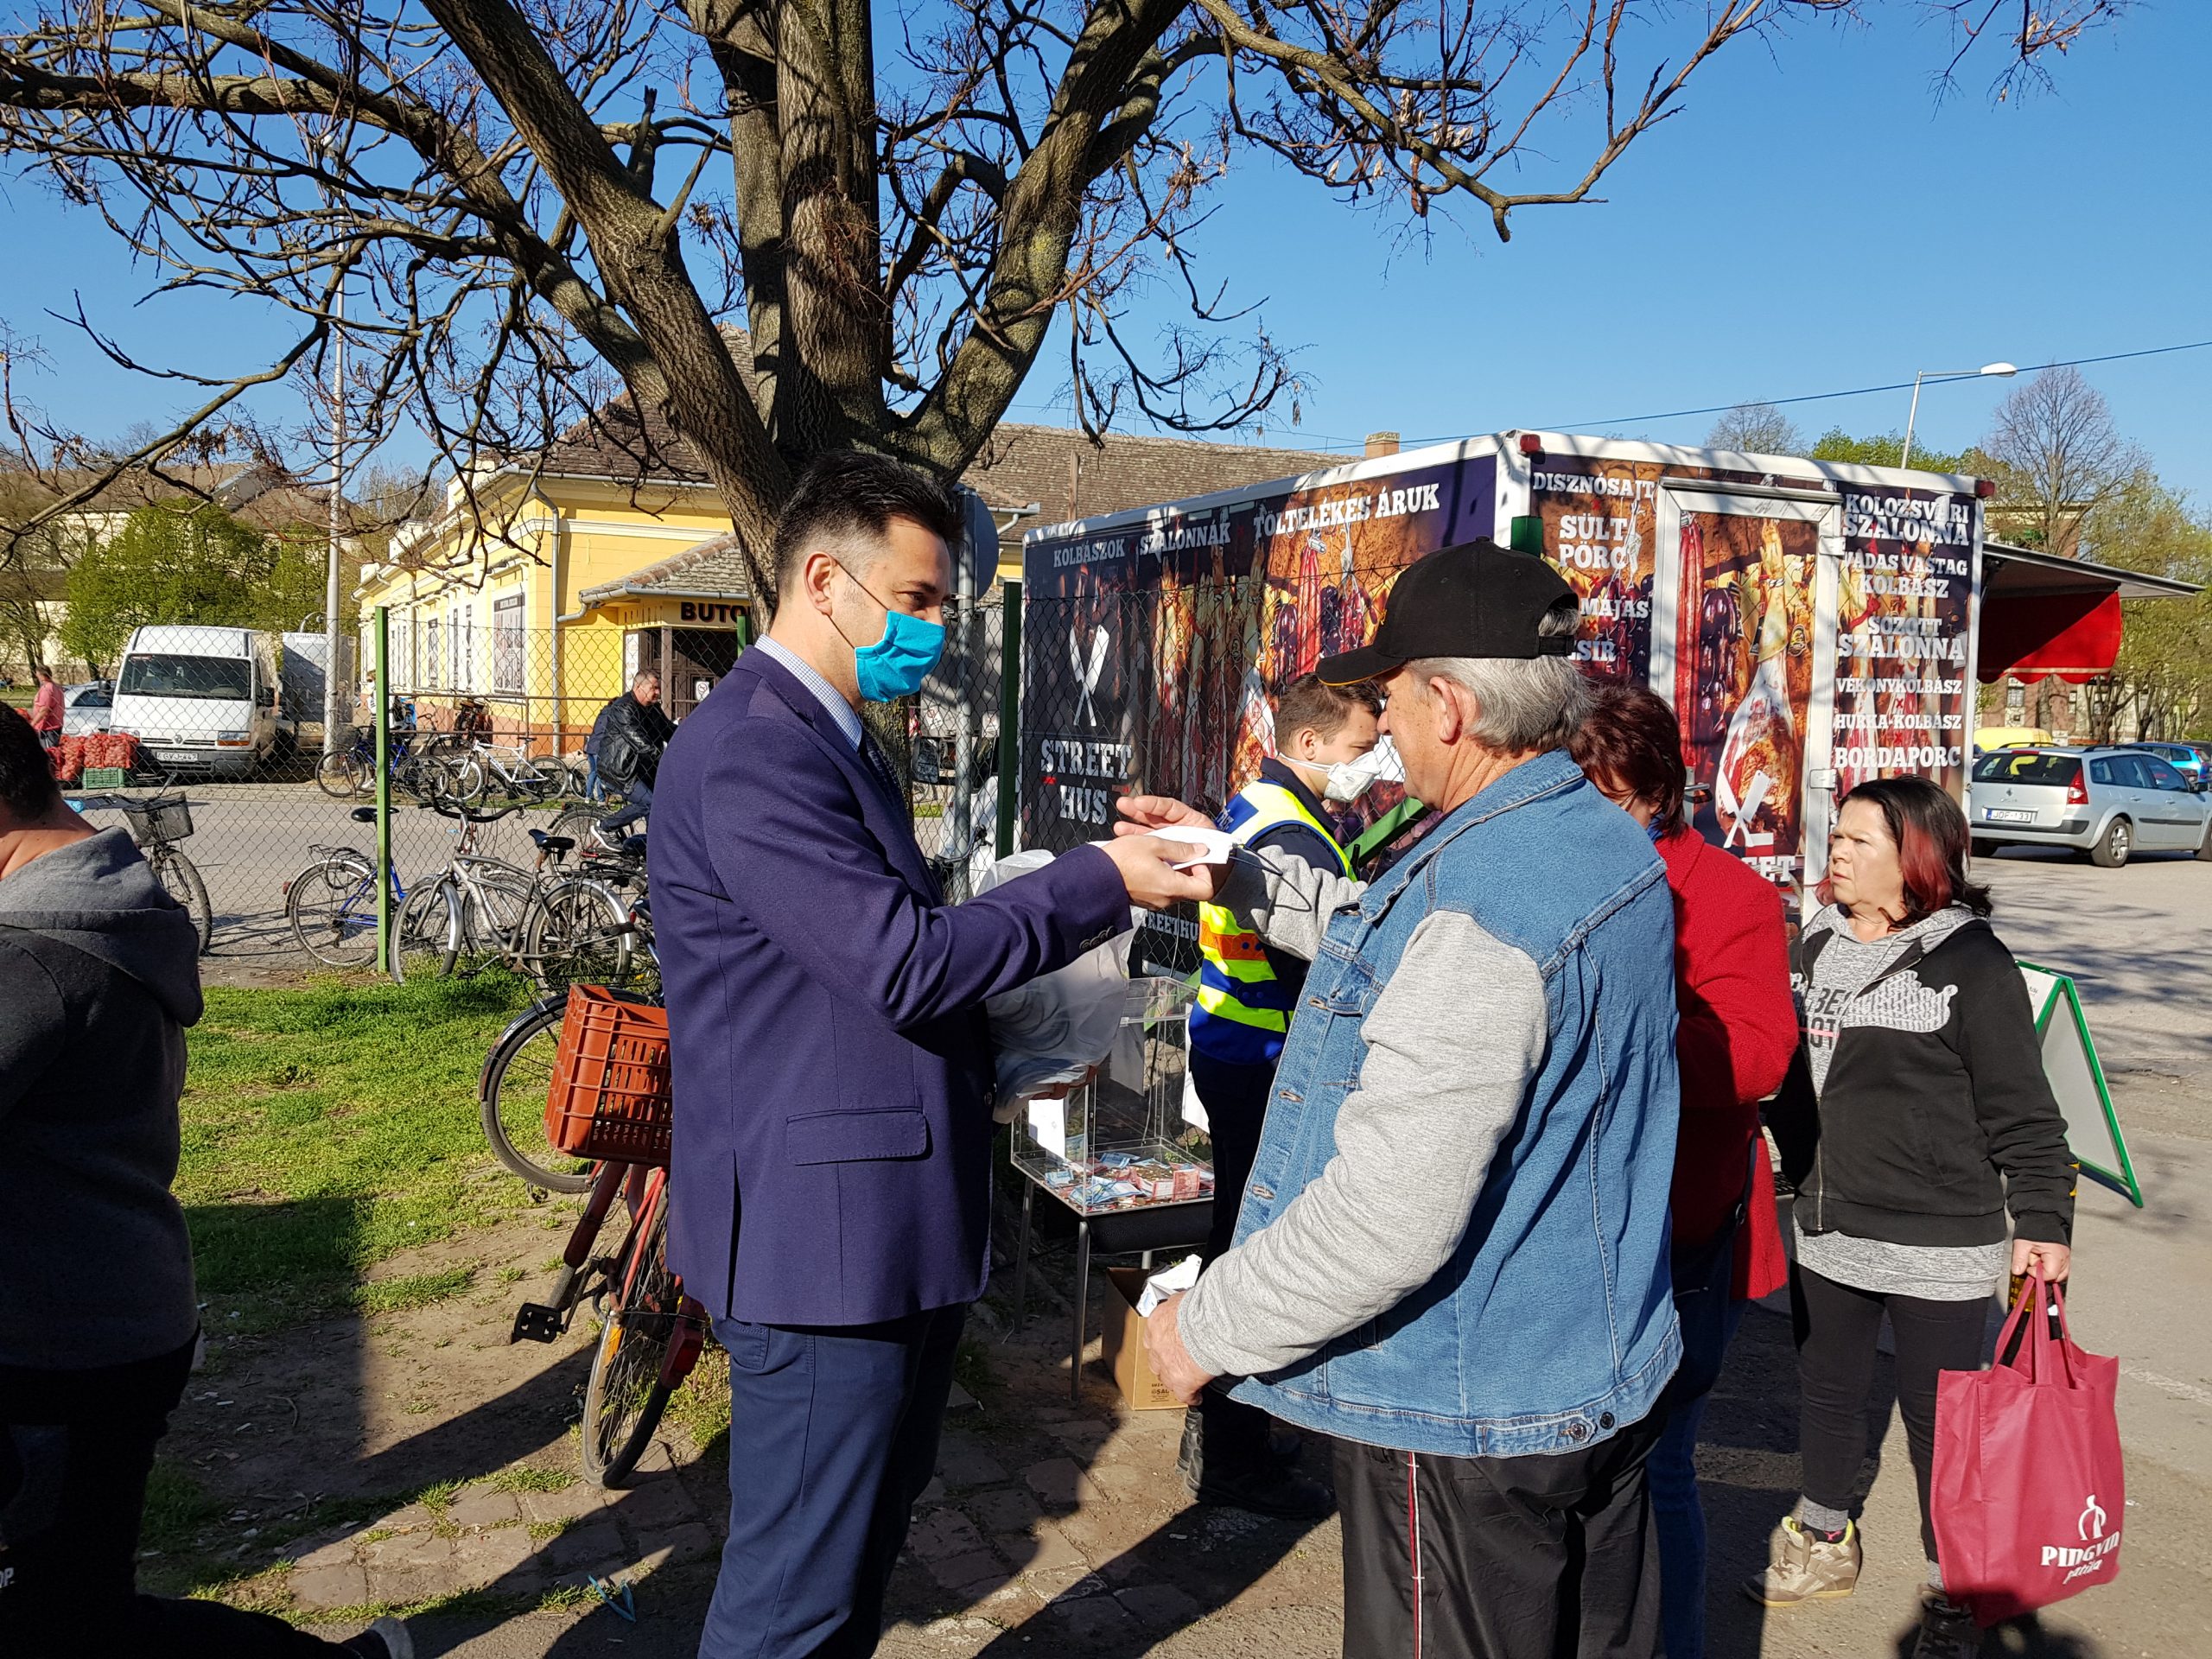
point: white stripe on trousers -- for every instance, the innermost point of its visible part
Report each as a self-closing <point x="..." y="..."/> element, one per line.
<point x="1413" y="1536"/>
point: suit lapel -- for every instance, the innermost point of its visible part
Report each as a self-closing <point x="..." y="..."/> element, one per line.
<point x="889" y="820"/>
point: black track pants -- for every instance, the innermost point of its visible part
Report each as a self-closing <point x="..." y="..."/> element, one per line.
<point x="1542" y="1557"/>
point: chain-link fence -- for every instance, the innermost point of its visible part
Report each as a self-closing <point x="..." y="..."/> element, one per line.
<point x="209" y="744"/>
<point x="955" y="745"/>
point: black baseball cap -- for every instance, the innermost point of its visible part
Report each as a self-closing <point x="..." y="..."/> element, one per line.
<point x="1474" y="600"/>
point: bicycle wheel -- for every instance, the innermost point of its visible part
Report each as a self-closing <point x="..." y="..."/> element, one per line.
<point x="416" y="776"/>
<point x="179" y="879"/>
<point x="518" y="1076"/>
<point x="494" y="913"/>
<point x="428" y="934"/>
<point x="340" y="774"/>
<point x="331" y="906"/>
<point x="577" y="822"/>
<point x="577" y="933"/>
<point x="469" y="780"/>
<point x="625" y="1398"/>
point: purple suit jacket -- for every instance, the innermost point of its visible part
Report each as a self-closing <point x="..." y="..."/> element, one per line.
<point x="832" y="1062"/>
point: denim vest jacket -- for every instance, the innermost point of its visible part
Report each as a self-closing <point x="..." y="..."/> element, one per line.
<point x="1553" y="1323"/>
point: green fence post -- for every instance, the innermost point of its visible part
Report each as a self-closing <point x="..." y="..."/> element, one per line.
<point x="382" y="718"/>
<point x="1010" y="715"/>
<point x="1385" y="831"/>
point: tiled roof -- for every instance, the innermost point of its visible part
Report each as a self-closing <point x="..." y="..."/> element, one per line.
<point x="1070" y="477"/>
<point x="1058" y="468"/>
<point x="612" y="441"/>
<point x="714" y="569"/>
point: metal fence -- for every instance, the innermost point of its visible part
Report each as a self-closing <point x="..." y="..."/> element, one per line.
<point x="955" y="745"/>
<point x="230" y="721"/>
<point x="226" y="719"/>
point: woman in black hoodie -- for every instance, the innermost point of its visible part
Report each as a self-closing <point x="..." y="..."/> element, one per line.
<point x="99" y="975"/>
<point x="1915" y="1115"/>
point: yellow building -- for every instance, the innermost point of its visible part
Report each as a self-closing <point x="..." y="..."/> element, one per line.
<point x="540" y="590"/>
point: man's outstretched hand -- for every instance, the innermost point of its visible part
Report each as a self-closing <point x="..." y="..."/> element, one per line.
<point x="1143" y="814"/>
<point x="1147" y="865"/>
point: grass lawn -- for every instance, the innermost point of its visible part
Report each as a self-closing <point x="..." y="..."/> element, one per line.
<point x="328" y="1127"/>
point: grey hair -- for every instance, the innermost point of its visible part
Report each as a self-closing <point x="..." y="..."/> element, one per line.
<point x="1522" y="702"/>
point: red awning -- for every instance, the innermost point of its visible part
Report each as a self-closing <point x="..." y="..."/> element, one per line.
<point x="2027" y="636"/>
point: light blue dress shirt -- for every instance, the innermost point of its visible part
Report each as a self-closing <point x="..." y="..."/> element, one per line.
<point x="848" y="718"/>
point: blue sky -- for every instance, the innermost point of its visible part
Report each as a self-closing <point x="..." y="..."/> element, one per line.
<point x="1814" y="219"/>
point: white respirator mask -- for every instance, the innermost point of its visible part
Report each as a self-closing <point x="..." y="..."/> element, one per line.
<point x="1350" y="780"/>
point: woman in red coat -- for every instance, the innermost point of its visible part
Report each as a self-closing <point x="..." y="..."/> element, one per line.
<point x="1736" y="1033"/>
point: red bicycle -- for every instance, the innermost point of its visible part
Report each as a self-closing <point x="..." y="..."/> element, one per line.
<point x="608" y="1101"/>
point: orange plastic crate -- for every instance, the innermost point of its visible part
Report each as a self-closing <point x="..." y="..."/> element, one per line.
<point x="610" y="1094"/>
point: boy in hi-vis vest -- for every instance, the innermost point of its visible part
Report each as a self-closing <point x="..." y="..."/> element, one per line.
<point x="1326" y="753"/>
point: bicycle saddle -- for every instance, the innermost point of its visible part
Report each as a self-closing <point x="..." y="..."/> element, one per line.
<point x="363" y="815"/>
<point x="555" y="845"/>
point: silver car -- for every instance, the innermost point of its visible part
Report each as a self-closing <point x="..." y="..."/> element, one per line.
<point x="87" y="709"/>
<point x="2108" y="803"/>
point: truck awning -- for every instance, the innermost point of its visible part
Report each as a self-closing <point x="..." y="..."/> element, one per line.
<point x="2043" y="614"/>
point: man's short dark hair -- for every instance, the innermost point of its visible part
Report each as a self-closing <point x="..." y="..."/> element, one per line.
<point x="26" y="785"/>
<point x="844" y="496"/>
<point x="1306" y="704"/>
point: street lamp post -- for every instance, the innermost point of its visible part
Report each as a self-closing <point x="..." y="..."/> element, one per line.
<point x="334" y="723"/>
<point x="2001" y="370"/>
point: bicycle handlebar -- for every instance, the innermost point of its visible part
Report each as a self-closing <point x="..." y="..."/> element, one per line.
<point x="445" y="809"/>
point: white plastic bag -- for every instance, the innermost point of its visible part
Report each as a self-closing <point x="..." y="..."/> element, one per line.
<point x="1055" y="1028"/>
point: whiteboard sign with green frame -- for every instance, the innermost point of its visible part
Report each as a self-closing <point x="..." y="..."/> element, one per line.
<point x="2077" y="1078"/>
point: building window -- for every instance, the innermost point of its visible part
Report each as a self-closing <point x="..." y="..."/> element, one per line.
<point x="507" y="645"/>
<point x="463" y="633"/>
<point x="432" y="658"/>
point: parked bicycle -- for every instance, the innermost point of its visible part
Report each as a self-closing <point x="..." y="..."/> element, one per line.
<point x="425" y="764"/>
<point x="651" y="1333"/>
<point x="157" y="823"/>
<point x="508" y="772"/>
<point x="553" y="924"/>
<point x="332" y="904"/>
<point x="517" y="1073"/>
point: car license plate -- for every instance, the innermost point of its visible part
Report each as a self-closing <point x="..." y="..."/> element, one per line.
<point x="2006" y="814"/>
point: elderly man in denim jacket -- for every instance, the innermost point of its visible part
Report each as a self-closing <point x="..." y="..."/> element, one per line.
<point x="1451" y="1255"/>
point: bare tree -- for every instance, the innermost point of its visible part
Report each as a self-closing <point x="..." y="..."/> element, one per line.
<point x="2059" y="459"/>
<point x="1757" y="429"/>
<point x="783" y="225"/>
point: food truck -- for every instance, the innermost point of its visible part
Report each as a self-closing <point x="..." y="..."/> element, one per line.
<point x="1812" y="622"/>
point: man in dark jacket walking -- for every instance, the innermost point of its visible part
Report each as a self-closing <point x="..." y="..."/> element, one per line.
<point x="99" y="1320"/>
<point x="630" y="732"/>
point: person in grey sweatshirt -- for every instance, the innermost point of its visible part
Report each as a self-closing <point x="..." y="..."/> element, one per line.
<point x="98" y="1321"/>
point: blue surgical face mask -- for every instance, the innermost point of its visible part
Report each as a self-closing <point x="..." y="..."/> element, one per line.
<point x="895" y="665"/>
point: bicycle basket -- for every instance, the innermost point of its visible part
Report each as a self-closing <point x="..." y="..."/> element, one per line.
<point x="158" y="818"/>
<point x="610" y="1094"/>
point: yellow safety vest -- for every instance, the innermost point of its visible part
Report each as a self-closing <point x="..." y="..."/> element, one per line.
<point x="1237" y="982"/>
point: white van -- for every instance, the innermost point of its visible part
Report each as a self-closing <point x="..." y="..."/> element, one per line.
<point x="202" y="699"/>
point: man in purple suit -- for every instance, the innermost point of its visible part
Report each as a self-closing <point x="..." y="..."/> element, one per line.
<point x="831" y="1176"/>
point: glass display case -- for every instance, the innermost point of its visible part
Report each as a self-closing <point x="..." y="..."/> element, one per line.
<point x="1127" y="1139"/>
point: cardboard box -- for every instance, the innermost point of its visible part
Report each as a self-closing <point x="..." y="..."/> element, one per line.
<point x="1122" y="1340"/>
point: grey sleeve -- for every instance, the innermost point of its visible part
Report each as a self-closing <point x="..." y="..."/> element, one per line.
<point x="1452" y="1041"/>
<point x="1284" y="900"/>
